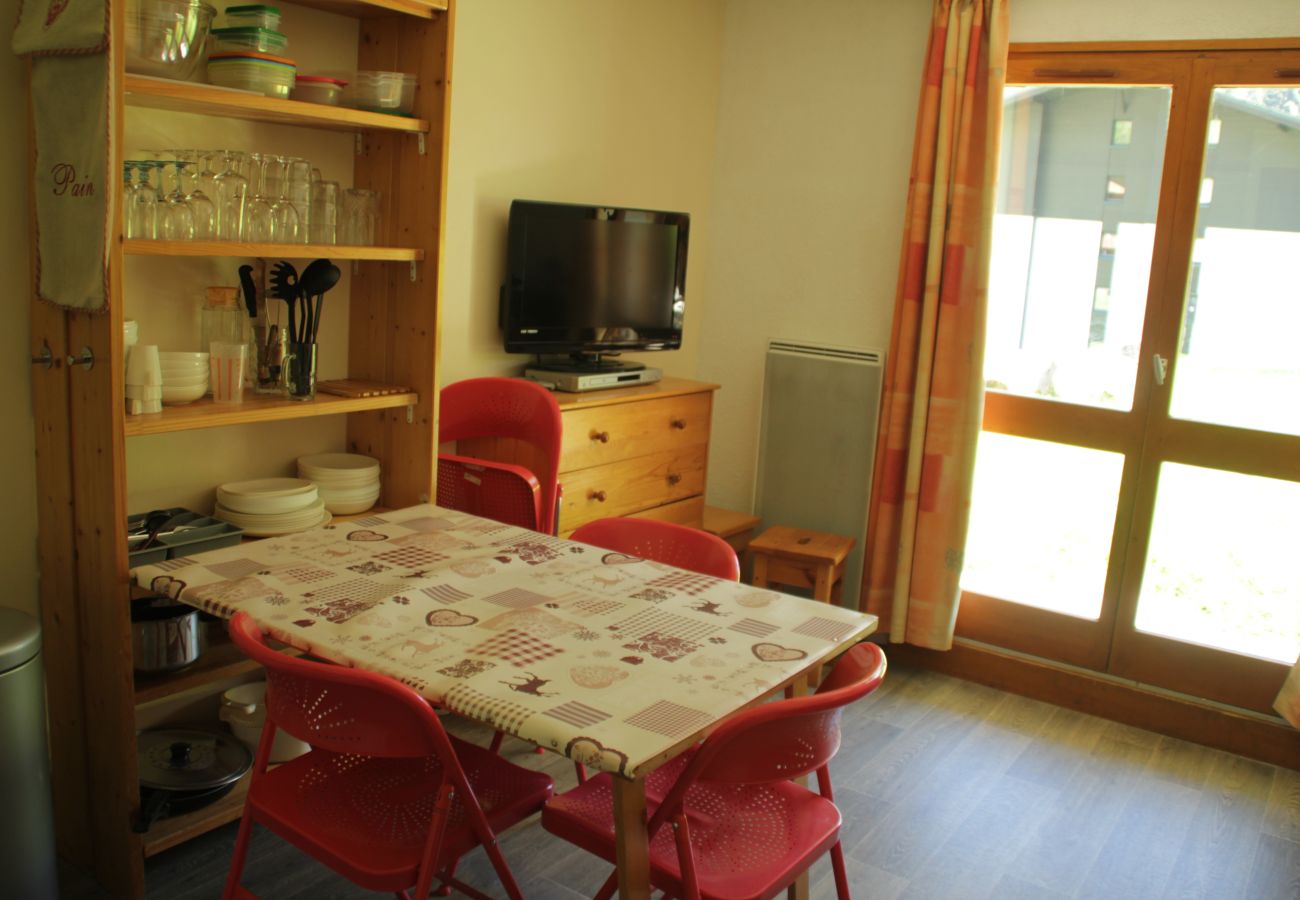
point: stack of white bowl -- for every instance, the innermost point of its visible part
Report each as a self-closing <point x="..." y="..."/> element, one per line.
<point x="143" y="381"/>
<point x="270" y="506"/>
<point x="348" y="482"/>
<point x="184" y="376"/>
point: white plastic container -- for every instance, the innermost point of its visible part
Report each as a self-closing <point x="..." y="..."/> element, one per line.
<point x="389" y="92"/>
<point x="253" y="16"/>
<point x="318" y="89"/>
<point x="260" y="72"/>
<point x="244" y="710"/>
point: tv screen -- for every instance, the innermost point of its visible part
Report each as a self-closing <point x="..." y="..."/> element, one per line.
<point x="589" y="279"/>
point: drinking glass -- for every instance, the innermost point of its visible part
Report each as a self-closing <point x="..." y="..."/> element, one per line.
<point x="232" y="194"/>
<point x="298" y="191"/>
<point x="324" y="212"/>
<point x="360" y="217"/>
<point x="142" y="211"/>
<point x="259" y="218"/>
<point x="284" y="215"/>
<point x="176" y="213"/>
<point x="201" y="205"/>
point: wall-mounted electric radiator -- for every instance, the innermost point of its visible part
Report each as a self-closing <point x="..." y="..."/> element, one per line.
<point x="817" y="442"/>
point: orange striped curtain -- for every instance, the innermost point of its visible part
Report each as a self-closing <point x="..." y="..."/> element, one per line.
<point x="1288" y="701"/>
<point x="934" y="383"/>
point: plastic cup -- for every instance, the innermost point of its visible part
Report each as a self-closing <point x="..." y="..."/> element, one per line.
<point x="227" y="367"/>
<point x="143" y="367"/>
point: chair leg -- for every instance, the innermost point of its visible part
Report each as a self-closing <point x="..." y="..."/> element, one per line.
<point x="495" y="746"/>
<point x="841" y="874"/>
<point x="444" y="890"/>
<point x="503" y="871"/>
<point x="608" y="888"/>
<point x="240" y="856"/>
<point x="581" y="771"/>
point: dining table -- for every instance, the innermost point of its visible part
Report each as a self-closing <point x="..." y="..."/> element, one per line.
<point x="616" y="662"/>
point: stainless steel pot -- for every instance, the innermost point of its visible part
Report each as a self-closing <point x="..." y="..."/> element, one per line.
<point x="165" y="636"/>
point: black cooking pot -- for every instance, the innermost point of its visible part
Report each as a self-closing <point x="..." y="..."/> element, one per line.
<point x="182" y="770"/>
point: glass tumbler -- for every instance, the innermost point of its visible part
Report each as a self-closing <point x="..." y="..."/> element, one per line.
<point x="360" y="217"/>
<point x="324" y="212"/>
<point x="232" y="194"/>
<point x="298" y="191"/>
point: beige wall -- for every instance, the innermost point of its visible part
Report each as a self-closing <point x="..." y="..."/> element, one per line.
<point x="1152" y="20"/>
<point x="586" y="101"/>
<point x="809" y="185"/>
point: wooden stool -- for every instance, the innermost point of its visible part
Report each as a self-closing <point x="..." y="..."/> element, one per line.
<point x="800" y="558"/>
<point x="736" y="528"/>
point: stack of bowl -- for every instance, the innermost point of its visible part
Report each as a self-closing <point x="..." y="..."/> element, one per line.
<point x="348" y="482"/>
<point x="270" y="506"/>
<point x="184" y="376"/>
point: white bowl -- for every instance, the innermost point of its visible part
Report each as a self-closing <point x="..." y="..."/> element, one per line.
<point x="268" y="496"/>
<point x="191" y="356"/>
<point x="184" y="380"/>
<point x="338" y="467"/>
<point x="175" y="396"/>
<point x="342" y="507"/>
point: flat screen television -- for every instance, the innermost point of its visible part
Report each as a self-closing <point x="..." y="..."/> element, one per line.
<point x="591" y="280"/>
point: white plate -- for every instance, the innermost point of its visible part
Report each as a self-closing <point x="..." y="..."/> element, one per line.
<point x="297" y="518"/>
<point x="343" y="466"/>
<point x="256" y="530"/>
<point x="268" y="496"/>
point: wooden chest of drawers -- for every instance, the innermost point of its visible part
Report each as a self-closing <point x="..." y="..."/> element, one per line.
<point x="638" y="451"/>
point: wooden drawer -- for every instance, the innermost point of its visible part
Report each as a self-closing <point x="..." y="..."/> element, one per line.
<point x="632" y="485"/>
<point x="689" y="512"/>
<point x="600" y="435"/>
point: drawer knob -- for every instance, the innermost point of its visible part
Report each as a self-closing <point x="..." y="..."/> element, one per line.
<point x="602" y="436"/>
<point x="673" y="478"/>
<point x="598" y="496"/>
<point x="679" y="424"/>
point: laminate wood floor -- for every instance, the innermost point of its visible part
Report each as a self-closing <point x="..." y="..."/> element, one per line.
<point x="949" y="789"/>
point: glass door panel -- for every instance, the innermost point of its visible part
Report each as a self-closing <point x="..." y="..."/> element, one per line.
<point x="1040" y="525"/>
<point x="1237" y="361"/>
<point x="1220" y="566"/>
<point x="1073" y="236"/>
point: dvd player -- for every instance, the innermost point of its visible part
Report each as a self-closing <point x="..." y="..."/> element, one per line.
<point x="575" y="382"/>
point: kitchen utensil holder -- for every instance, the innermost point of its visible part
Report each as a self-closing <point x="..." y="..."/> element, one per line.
<point x="302" y="371"/>
<point x="269" y="358"/>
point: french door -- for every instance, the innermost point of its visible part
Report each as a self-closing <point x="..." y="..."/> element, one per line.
<point x="1136" y="507"/>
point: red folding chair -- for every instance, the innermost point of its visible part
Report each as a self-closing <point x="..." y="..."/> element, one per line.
<point x="665" y="542"/>
<point x="385" y="797"/>
<point x="511" y="409"/>
<point x="498" y="491"/>
<point x="737" y="825"/>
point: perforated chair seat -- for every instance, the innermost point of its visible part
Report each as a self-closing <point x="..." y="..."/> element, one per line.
<point x="746" y="838"/>
<point x="369" y="816"/>
<point x="501" y="492"/>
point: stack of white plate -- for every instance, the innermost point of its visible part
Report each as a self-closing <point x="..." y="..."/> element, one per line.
<point x="348" y="482"/>
<point x="184" y="376"/>
<point x="270" y="506"/>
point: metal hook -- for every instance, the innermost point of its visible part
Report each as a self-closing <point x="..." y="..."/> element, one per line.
<point x="45" y="357"/>
<point x="86" y="359"/>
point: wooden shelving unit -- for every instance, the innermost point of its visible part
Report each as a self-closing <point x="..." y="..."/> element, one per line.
<point x="206" y="413"/>
<point x="82" y="430"/>
<point x="219" y="661"/>
<point x="211" y="100"/>
<point x="273" y="251"/>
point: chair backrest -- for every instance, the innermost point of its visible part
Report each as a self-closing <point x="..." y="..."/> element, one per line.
<point x="780" y="740"/>
<point x="665" y="542"/>
<point x="508" y="408"/>
<point x="497" y="491"/>
<point x="341" y="709"/>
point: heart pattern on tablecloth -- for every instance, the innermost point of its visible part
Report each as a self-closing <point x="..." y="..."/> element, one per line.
<point x="365" y="534"/>
<point x="449" y="618"/>
<point x="769" y="652"/>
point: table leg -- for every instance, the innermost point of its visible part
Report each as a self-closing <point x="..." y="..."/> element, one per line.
<point x="630" y="838"/>
<point x="799" y="889"/>
<point x="760" y="569"/>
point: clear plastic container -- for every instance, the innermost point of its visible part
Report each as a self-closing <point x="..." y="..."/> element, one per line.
<point x="253" y="16"/>
<point x="239" y="40"/>
<point x="318" y="89"/>
<point x="260" y="72"/>
<point x="389" y="92"/>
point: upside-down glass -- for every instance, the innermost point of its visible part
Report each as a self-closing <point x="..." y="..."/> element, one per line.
<point x="232" y="194"/>
<point x="284" y="215"/>
<point x="200" y="201"/>
<point x="258" y="215"/>
<point x="297" y="190"/>
<point x="324" y="212"/>
<point x="176" y="214"/>
<point x="142" y="216"/>
<point x="360" y="225"/>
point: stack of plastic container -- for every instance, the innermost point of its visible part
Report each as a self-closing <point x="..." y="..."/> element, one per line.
<point x="248" y="53"/>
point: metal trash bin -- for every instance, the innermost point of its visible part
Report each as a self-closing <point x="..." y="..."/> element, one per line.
<point x="27" y="856"/>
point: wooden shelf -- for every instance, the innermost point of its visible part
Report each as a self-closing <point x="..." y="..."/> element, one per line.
<point x="256" y="408"/>
<point x="278" y="251"/>
<point x="363" y="9"/>
<point x="167" y="833"/>
<point x="220" y="660"/>
<point x="210" y="100"/>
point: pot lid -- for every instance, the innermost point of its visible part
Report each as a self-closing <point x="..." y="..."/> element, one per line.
<point x="190" y="759"/>
<point x="20" y="638"/>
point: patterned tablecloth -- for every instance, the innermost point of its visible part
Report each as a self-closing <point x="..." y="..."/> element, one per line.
<point x="606" y="658"/>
